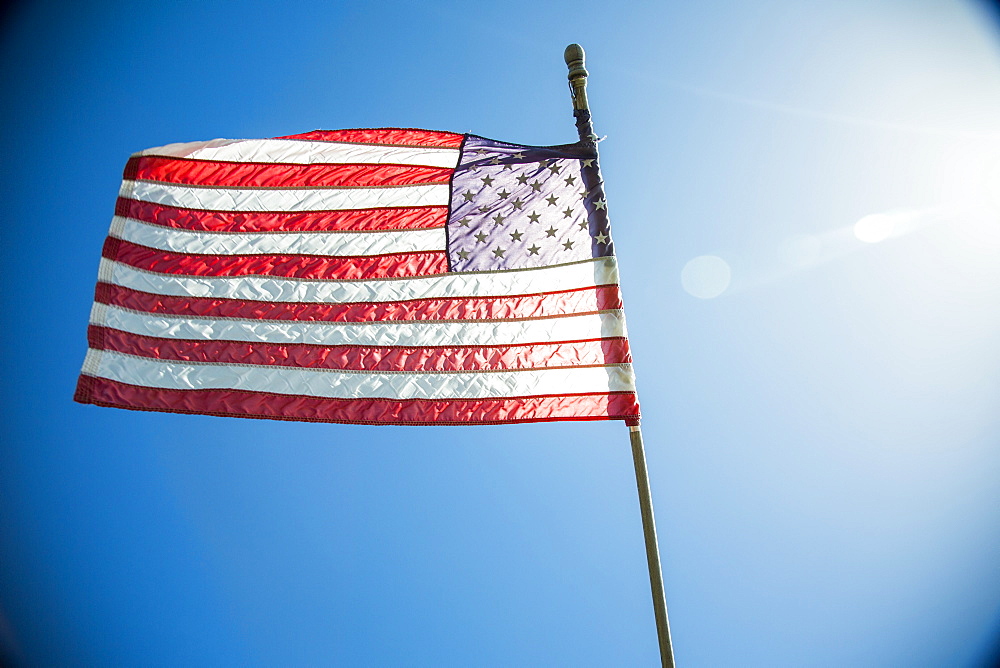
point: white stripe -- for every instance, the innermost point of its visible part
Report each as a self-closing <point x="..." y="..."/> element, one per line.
<point x="409" y="333"/>
<point x="345" y="385"/>
<point x="92" y="362"/>
<point x="295" y="243"/>
<point x="600" y="271"/>
<point x="306" y="152"/>
<point x="305" y="199"/>
<point x="97" y="313"/>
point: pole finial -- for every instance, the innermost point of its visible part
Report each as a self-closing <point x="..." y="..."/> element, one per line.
<point x="574" y="57"/>
<point x="573" y="53"/>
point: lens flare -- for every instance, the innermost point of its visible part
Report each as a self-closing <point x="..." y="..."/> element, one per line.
<point x="706" y="276"/>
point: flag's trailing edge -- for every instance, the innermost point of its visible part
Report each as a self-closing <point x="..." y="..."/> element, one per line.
<point x="380" y="276"/>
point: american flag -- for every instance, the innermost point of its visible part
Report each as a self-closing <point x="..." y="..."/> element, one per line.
<point x="367" y="276"/>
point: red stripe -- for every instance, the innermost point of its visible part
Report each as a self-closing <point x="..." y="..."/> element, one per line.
<point x="278" y="175"/>
<point x="360" y="220"/>
<point x="397" y="265"/>
<point x="584" y="300"/>
<point x="396" y="136"/>
<point x="366" y="358"/>
<point x="235" y="403"/>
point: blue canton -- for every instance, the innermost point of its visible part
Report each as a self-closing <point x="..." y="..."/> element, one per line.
<point x="517" y="207"/>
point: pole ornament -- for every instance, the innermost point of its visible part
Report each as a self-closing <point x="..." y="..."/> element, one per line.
<point x="575" y="56"/>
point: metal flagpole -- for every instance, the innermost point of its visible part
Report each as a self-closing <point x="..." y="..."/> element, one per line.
<point x="652" y="551"/>
<point x="581" y="111"/>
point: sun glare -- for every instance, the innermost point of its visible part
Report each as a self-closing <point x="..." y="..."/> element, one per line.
<point x="875" y="227"/>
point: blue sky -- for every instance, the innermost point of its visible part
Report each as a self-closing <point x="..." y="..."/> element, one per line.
<point x="821" y="396"/>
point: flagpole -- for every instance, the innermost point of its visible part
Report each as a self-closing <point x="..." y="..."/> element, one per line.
<point x="652" y="550"/>
<point x="574" y="56"/>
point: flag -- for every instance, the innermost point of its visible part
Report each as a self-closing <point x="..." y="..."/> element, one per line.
<point x="386" y="275"/>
